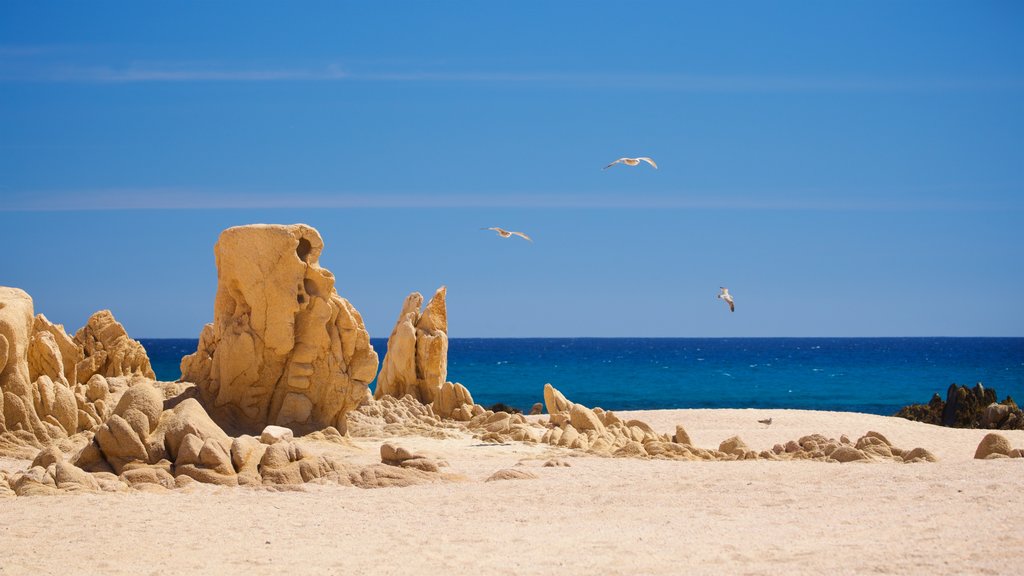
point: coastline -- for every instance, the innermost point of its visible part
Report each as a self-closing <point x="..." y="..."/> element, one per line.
<point x="613" y="515"/>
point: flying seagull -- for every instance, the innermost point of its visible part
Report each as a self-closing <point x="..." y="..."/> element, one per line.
<point x="766" y="421"/>
<point x="632" y="162"/>
<point x="728" y="298"/>
<point x="508" y="233"/>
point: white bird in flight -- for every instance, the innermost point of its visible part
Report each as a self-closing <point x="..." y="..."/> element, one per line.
<point x="508" y="233"/>
<point x="724" y="295"/>
<point x="632" y="162"/>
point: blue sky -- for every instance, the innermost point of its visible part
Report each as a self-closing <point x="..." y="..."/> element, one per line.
<point x="847" y="169"/>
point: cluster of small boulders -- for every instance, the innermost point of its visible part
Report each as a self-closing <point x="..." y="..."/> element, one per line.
<point x="144" y="447"/>
<point x="602" y="432"/>
<point x="406" y="416"/>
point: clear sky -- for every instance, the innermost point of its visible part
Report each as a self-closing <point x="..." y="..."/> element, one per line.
<point x="846" y="169"/>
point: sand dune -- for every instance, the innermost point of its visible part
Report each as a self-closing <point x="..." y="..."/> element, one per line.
<point x="597" y="515"/>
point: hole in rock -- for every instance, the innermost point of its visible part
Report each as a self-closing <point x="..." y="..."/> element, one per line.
<point x="310" y="287"/>
<point x="303" y="249"/>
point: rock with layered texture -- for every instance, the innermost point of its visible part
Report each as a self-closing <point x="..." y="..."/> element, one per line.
<point x="416" y="362"/>
<point x="130" y="435"/>
<point x="284" y="348"/>
<point x="555" y="401"/>
<point x="454" y="401"/>
<point x="38" y="403"/>
<point x="109" y="351"/>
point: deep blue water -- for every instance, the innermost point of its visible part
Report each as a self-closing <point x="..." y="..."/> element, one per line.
<point x="874" y="375"/>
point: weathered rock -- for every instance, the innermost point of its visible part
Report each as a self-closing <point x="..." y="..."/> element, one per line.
<point x="538" y="408"/>
<point x="246" y="453"/>
<point x="919" y="455"/>
<point x="275" y="434"/>
<point x="35" y="481"/>
<point x="450" y="400"/>
<point x="287" y="463"/>
<point x="583" y="419"/>
<point x="206" y="461"/>
<point x="993" y="444"/>
<point x="734" y="446"/>
<point x="995" y="415"/>
<point x="511" y="474"/>
<point x="71" y="478"/>
<point x="967" y="408"/>
<point x="631" y="449"/>
<point x="18" y="387"/>
<point x="554" y="401"/>
<point x="187" y="418"/>
<point x="416" y="362"/>
<point x="846" y="453"/>
<point x="284" y="348"/>
<point x="142" y="477"/>
<point x="109" y="351"/>
<point x="47" y="457"/>
<point x="383" y="476"/>
<point x="681" y="437"/>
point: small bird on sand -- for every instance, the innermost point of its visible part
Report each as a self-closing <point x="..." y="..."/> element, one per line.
<point x="508" y="233"/>
<point x="632" y="162"/>
<point x="766" y="421"/>
<point x="724" y="295"/>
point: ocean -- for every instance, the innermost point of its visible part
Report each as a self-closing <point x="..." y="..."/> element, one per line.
<point x="872" y="375"/>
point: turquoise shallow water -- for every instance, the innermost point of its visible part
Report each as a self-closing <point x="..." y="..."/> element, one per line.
<point x="873" y="375"/>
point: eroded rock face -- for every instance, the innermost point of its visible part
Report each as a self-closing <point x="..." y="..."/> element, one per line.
<point x="416" y="362"/>
<point x="38" y="403"/>
<point x="284" y="348"/>
<point x="109" y="351"/>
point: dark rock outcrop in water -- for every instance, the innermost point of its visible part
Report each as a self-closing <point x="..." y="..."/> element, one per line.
<point x="967" y="408"/>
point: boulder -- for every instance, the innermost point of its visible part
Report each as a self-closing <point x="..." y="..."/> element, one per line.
<point x="275" y="434"/>
<point x="993" y="444"/>
<point x="187" y="418"/>
<point x="71" y="478"/>
<point x="554" y="401"/>
<point x="284" y="348"/>
<point x="583" y="419"/>
<point x="681" y="437"/>
<point x="206" y="461"/>
<point x="734" y="446"/>
<point x="246" y="453"/>
<point x="845" y="453"/>
<point x="450" y="400"/>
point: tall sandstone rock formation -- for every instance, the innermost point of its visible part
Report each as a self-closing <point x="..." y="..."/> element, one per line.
<point x="416" y="362"/>
<point x="284" y="348"/>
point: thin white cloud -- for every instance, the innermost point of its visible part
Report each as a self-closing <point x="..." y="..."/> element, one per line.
<point x="194" y="199"/>
<point x="155" y="72"/>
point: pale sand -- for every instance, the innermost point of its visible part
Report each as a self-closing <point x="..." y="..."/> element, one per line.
<point x="599" y="516"/>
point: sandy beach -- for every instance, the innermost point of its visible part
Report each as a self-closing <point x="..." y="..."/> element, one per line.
<point x="597" y="515"/>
